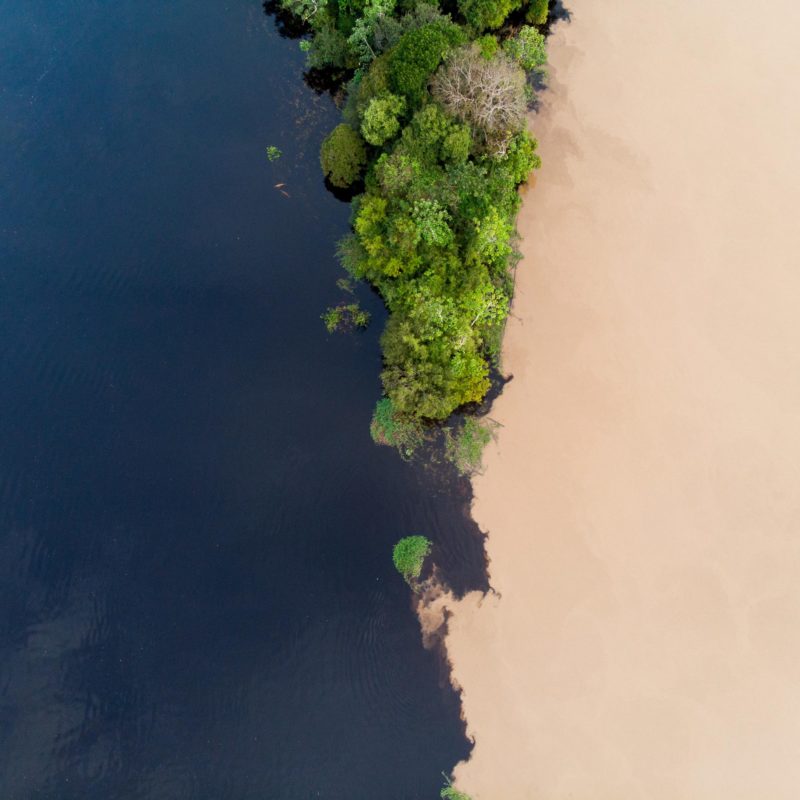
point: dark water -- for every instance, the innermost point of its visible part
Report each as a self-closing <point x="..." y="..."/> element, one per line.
<point x="196" y="591"/>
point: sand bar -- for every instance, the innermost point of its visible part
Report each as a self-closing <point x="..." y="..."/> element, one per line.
<point x="643" y="499"/>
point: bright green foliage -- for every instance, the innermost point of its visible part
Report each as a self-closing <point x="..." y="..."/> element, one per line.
<point x="343" y="316"/>
<point x="432" y="223"/>
<point x="273" y="153"/>
<point x="488" y="46"/>
<point x="343" y="156"/>
<point x="528" y="48"/>
<point x="450" y="793"/>
<point x="465" y="447"/>
<point x="521" y="157"/>
<point x="483" y="14"/>
<point x="380" y="121"/>
<point x="388" y="428"/>
<point x="415" y="57"/>
<point x="409" y="555"/>
<point x="537" y="12"/>
<point x="434" y="123"/>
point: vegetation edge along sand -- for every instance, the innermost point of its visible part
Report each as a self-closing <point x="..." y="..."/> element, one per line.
<point x="642" y="502"/>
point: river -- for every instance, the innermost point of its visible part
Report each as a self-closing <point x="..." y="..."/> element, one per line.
<point x="197" y="598"/>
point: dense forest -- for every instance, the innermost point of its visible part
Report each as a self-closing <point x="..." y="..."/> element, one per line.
<point x="433" y="145"/>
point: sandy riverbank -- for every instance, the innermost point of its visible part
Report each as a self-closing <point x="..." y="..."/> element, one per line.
<point x="642" y="502"/>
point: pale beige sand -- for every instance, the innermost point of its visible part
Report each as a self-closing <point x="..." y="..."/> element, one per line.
<point x="643" y="502"/>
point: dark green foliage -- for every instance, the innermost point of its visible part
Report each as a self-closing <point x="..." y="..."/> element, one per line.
<point x="329" y="48"/>
<point x="409" y="555"/>
<point x="417" y="55"/>
<point x="343" y="156"/>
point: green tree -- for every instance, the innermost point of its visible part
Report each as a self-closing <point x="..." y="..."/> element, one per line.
<point x="343" y="156"/>
<point x="537" y="12"/>
<point x="415" y="57"/>
<point x="528" y="48"/>
<point x="329" y="48"/>
<point x="381" y="118"/>
<point x="483" y="14"/>
<point x="361" y="39"/>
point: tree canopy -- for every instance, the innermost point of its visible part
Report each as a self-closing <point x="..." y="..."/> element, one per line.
<point x="435" y="126"/>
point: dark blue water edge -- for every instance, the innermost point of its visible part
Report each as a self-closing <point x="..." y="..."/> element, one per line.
<point x="196" y="591"/>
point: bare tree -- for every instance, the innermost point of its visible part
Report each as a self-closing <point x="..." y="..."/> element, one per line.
<point x="487" y="94"/>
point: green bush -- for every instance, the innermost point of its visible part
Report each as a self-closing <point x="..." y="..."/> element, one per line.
<point x="343" y="156"/>
<point x="409" y="555"/>
<point x="390" y="429"/>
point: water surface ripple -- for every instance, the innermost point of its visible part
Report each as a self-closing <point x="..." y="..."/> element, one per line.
<point x="196" y="591"/>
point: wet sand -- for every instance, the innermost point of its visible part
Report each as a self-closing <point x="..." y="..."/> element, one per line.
<point x="642" y="501"/>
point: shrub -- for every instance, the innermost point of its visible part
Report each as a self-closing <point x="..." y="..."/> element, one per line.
<point x="343" y="156"/>
<point x="389" y="429"/>
<point x="409" y="555"/>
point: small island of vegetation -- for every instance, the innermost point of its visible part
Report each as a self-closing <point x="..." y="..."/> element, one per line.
<point x="434" y="144"/>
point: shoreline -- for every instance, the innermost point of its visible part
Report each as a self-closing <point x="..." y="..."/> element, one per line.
<point x="641" y="502"/>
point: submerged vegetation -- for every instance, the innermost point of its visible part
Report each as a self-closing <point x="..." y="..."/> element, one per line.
<point x="344" y="316"/>
<point x="387" y="427"/>
<point x="434" y="143"/>
<point x="464" y="446"/>
<point x="450" y="793"/>
<point x="409" y="555"/>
